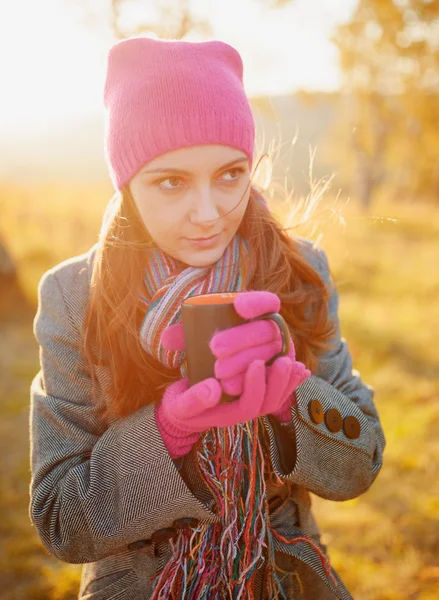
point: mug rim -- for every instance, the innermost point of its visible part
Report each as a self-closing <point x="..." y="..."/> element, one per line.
<point x="227" y="298"/>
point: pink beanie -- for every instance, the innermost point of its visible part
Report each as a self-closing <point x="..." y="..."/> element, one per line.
<point x="162" y="95"/>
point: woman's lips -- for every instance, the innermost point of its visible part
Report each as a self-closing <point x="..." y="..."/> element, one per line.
<point x="205" y="242"/>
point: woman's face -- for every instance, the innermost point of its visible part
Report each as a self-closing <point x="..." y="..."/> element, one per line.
<point x="185" y="197"/>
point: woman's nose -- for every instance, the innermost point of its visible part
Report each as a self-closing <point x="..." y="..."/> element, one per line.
<point x="204" y="208"/>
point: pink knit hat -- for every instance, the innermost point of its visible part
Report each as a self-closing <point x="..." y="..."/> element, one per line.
<point x="162" y="95"/>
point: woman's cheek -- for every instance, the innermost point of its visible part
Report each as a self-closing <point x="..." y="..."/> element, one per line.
<point x="238" y="214"/>
<point x="167" y="232"/>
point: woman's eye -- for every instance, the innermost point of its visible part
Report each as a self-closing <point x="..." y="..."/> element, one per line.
<point x="170" y="184"/>
<point x="232" y="175"/>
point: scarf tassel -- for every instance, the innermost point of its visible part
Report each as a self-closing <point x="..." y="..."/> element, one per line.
<point x="221" y="560"/>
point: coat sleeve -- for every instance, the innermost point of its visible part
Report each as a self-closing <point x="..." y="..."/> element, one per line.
<point x="95" y="487"/>
<point x="330" y="464"/>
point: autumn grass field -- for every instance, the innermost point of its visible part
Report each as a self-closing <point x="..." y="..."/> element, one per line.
<point x="385" y="544"/>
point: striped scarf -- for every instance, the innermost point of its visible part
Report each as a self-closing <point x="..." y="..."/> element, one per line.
<point x="219" y="560"/>
<point x="169" y="282"/>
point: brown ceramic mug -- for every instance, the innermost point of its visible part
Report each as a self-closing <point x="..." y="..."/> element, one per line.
<point x="205" y="315"/>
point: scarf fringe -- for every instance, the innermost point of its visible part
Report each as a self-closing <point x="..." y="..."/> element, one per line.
<point x="221" y="560"/>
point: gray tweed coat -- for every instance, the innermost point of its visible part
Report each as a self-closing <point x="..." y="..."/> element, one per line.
<point x="100" y="490"/>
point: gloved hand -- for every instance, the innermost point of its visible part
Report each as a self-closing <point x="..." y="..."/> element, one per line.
<point x="186" y="411"/>
<point x="237" y="347"/>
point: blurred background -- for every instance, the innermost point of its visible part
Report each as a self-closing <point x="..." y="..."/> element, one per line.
<point x="346" y="98"/>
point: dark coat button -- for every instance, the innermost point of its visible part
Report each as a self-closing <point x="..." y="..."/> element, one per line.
<point x="333" y="420"/>
<point x="351" y="427"/>
<point x="163" y="535"/>
<point x="315" y="411"/>
<point x="185" y="523"/>
<point x="139" y="544"/>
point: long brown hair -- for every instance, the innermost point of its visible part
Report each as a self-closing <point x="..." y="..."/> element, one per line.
<point x="111" y="326"/>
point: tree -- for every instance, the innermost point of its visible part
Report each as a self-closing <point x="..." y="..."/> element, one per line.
<point x="389" y="55"/>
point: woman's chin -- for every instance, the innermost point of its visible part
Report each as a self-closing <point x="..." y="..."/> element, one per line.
<point x="201" y="258"/>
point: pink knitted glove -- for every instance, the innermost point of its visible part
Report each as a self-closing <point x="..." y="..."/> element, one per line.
<point x="186" y="411"/>
<point x="237" y="347"/>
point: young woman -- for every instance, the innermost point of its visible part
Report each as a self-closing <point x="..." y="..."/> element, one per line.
<point x="159" y="488"/>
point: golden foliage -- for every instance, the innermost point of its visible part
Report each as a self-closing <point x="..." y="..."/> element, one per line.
<point x="390" y="60"/>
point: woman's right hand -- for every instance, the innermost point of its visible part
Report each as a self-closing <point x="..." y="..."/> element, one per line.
<point x="186" y="411"/>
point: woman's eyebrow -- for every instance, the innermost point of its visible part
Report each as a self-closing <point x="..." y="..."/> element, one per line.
<point x="182" y="172"/>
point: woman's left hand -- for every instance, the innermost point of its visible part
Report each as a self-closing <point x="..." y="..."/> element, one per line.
<point x="260" y="339"/>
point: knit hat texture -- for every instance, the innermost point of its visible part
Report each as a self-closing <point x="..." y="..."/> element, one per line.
<point x="162" y="95"/>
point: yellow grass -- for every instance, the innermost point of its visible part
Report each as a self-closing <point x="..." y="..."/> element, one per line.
<point x="384" y="544"/>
